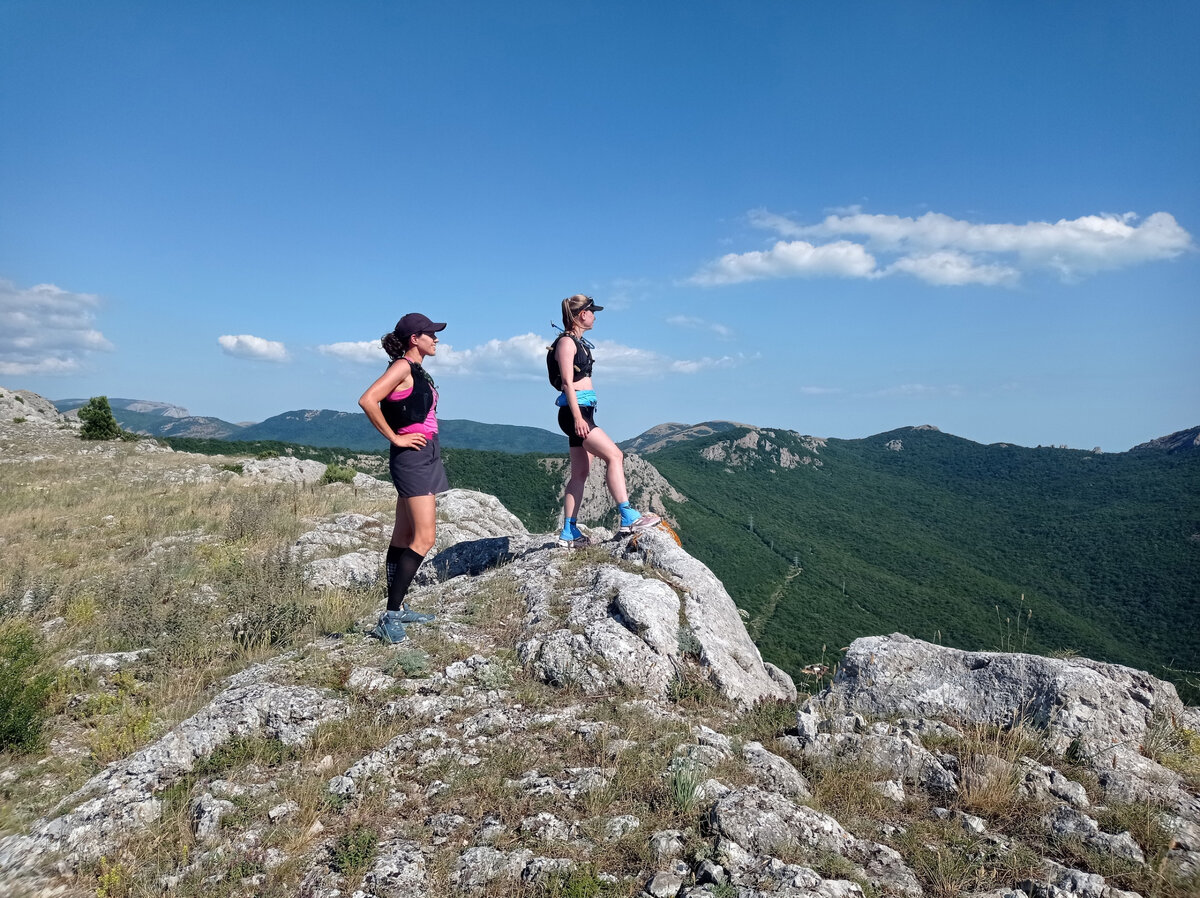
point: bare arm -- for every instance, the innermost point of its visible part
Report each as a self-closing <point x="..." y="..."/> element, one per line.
<point x="397" y="377"/>
<point x="564" y="354"/>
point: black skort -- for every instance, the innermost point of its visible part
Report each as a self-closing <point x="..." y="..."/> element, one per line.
<point x="419" y="472"/>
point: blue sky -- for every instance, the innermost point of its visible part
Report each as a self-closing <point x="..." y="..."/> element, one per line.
<point x="833" y="218"/>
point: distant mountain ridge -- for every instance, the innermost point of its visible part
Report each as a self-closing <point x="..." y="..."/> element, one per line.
<point x="322" y="428"/>
<point x="1180" y="441"/>
<point x="148" y="406"/>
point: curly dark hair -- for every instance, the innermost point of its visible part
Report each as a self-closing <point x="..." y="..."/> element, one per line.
<point x="396" y="343"/>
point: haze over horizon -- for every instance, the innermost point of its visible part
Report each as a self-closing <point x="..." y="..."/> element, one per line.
<point x="980" y="217"/>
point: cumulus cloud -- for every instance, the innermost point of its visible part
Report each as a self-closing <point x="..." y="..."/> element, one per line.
<point x="797" y="258"/>
<point x="944" y="251"/>
<point x="366" y="352"/>
<point x="692" y="323"/>
<point x="519" y="357"/>
<point x="246" y="346"/>
<point x="951" y="268"/>
<point x="523" y="357"/>
<point x="46" y="330"/>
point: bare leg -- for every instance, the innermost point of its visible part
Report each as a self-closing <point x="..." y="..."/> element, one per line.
<point x="402" y="532"/>
<point x="599" y="444"/>
<point x="422" y="512"/>
<point x="581" y="463"/>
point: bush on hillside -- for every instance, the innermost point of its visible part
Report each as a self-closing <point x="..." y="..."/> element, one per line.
<point x="335" y="473"/>
<point x="98" y="420"/>
<point x="23" y="691"/>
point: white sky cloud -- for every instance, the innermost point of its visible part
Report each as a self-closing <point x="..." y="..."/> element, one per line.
<point x="246" y="346"/>
<point x="523" y="357"/>
<point x="46" y="330"/>
<point x="688" y="321"/>
<point x="797" y="258"/>
<point x="944" y="251"/>
<point x="951" y="268"/>
<point x="365" y="352"/>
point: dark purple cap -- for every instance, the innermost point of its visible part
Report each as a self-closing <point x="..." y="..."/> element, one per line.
<point x="416" y="323"/>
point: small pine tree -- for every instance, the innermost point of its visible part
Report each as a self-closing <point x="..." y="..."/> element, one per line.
<point x="98" y="420"/>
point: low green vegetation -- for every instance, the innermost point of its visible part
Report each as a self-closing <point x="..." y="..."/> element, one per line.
<point x="335" y="473"/>
<point x="24" y="687"/>
<point x="522" y="482"/>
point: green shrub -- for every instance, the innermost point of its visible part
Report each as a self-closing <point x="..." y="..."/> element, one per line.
<point x="407" y="662"/>
<point x="684" y="786"/>
<point x="335" y="473"/>
<point x="98" y="420"/>
<point x="236" y="468"/>
<point x="354" y="850"/>
<point x="23" y="690"/>
<point x="582" y="883"/>
<point x="19" y="420"/>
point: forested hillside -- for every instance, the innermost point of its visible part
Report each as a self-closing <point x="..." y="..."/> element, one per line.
<point x="940" y="538"/>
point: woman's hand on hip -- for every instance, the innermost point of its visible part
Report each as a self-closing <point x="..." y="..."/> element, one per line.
<point x="410" y="441"/>
<point x="581" y="427"/>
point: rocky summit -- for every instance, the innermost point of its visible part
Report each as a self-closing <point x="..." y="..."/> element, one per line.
<point x="591" y="722"/>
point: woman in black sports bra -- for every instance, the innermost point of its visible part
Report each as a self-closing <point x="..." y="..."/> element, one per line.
<point x="402" y="404"/>
<point x="576" y="417"/>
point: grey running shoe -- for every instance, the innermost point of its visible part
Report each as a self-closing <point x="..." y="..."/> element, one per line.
<point x="578" y="542"/>
<point x="390" y="628"/>
<point x="408" y="616"/>
<point x="644" y="522"/>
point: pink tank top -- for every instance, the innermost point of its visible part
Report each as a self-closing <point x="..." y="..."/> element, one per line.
<point x="428" y="427"/>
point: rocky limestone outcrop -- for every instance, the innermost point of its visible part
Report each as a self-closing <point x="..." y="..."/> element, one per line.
<point x="759" y="446"/>
<point x="121" y="799"/>
<point x="647" y="490"/>
<point x="1180" y="441"/>
<point x="1102" y="716"/>
<point x="37" y="411"/>
<point x="624" y="627"/>
<point x="1100" y="707"/>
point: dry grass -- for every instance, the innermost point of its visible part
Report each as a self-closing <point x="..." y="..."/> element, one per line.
<point x="103" y="554"/>
<point x="990" y="776"/>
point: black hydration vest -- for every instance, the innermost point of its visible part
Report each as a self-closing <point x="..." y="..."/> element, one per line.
<point x="582" y="365"/>
<point x="414" y="407"/>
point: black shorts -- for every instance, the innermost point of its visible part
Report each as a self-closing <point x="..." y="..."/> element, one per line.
<point x="419" y="472"/>
<point x="566" y="422"/>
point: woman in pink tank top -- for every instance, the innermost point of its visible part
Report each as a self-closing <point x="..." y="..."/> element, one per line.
<point x="402" y="404"/>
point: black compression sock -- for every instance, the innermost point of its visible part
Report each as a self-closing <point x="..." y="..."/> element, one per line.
<point x="391" y="562"/>
<point x="406" y="569"/>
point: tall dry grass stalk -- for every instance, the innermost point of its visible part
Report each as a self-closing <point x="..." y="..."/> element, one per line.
<point x="116" y="551"/>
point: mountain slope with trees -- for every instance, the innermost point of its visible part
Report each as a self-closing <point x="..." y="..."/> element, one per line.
<point x="973" y="546"/>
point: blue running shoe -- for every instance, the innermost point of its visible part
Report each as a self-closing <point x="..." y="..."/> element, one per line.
<point x="574" y="542"/>
<point x="408" y="616"/>
<point x="390" y="628"/>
